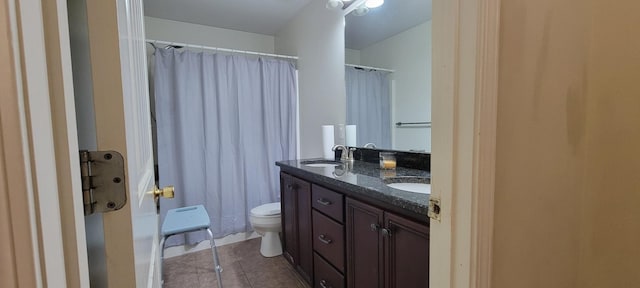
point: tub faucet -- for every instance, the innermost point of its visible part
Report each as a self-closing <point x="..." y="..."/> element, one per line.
<point x="370" y="145"/>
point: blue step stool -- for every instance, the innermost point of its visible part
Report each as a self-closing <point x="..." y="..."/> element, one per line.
<point x="189" y="219"/>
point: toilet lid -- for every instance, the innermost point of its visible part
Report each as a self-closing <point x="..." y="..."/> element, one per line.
<point x="267" y="209"/>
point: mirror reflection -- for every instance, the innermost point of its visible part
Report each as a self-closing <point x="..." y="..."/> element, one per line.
<point x="388" y="74"/>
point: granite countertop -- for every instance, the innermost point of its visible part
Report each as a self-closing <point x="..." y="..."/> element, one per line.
<point x="364" y="180"/>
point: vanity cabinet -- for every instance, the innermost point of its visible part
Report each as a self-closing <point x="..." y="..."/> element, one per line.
<point x="297" y="243"/>
<point x="335" y="241"/>
<point x="384" y="249"/>
<point x="326" y="276"/>
<point x="328" y="237"/>
<point x="365" y="248"/>
<point x="328" y="240"/>
<point x="406" y="253"/>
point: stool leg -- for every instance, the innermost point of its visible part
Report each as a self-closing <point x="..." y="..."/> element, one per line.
<point x="216" y="261"/>
<point x="161" y="259"/>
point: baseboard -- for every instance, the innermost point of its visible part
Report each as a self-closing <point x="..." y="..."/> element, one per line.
<point x="175" y="251"/>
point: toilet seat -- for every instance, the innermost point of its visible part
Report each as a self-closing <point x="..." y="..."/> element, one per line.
<point x="270" y="209"/>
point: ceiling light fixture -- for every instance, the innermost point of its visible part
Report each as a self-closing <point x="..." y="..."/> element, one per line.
<point x="361" y="10"/>
<point x="374" y="3"/>
<point x="334" y="4"/>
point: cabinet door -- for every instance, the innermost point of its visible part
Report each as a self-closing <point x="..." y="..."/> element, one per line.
<point x="406" y="253"/>
<point x="364" y="245"/>
<point x="288" y="201"/>
<point x="305" y="237"/>
<point x="297" y="247"/>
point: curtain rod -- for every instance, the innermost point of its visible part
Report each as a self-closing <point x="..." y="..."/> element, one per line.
<point x="219" y="49"/>
<point x="369" y="67"/>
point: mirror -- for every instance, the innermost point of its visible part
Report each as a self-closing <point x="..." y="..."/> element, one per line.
<point x="388" y="75"/>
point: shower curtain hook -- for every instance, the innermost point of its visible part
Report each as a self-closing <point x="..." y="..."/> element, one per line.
<point x="152" y="43"/>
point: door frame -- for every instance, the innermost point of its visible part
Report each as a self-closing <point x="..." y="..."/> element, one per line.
<point x="65" y="139"/>
<point x="18" y="235"/>
<point x="466" y="34"/>
<point x="37" y="50"/>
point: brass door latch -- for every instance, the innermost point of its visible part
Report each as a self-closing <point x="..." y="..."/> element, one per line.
<point x="166" y="192"/>
<point x="434" y="209"/>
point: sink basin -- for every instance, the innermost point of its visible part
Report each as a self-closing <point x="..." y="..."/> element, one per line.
<point x="321" y="163"/>
<point x="412" y="187"/>
<point x="410" y="184"/>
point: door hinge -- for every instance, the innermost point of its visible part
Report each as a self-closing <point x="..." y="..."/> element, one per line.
<point x="434" y="209"/>
<point x="103" y="185"/>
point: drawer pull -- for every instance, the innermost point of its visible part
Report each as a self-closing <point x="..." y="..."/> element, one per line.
<point x="324" y="239"/>
<point x="323" y="284"/>
<point x="386" y="232"/>
<point x="375" y="227"/>
<point x="324" y="202"/>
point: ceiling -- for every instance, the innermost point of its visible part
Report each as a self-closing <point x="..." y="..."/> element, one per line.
<point x="269" y="16"/>
<point x="256" y="16"/>
<point x="393" y="17"/>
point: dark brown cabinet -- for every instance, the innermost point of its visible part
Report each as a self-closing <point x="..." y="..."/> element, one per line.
<point x="328" y="202"/>
<point x="325" y="275"/>
<point x="328" y="237"/>
<point x="406" y="253"/>
<point x="364" y="245"/>
<point x="337" y="242"/>
<point x="328" y="240"/>
<point x="296" y="224"/>
<point x="288" y="204"/>
<point x="384" y="249"/>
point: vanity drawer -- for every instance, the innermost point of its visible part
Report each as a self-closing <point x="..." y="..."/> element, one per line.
<point x="325" y="275"/>
<point x="328" y="239"/>
<point x="328" y="202"/>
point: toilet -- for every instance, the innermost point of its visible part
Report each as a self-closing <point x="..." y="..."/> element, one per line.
<point x="265" y="220"/>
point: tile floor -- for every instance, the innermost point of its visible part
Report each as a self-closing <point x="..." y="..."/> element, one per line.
<point x="243" y="266"/>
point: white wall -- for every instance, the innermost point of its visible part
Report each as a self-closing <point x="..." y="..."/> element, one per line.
<point x="174" y="31"/>
<point x="352" y="56"/>
<point x="316" y="35"/>
<point x="409" y="54"/>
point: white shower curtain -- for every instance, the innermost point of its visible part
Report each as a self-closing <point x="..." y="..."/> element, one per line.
<point x="369" y="106"/>
<point x="222" y="122"/>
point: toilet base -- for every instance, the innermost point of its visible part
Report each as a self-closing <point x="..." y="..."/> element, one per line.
<point x="270" y="245"/>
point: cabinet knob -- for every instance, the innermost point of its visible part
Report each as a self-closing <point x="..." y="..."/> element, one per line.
<point x="375" y="227"/>
<point x="386" y="232"/>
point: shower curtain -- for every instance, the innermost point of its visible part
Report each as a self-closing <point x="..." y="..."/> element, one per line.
<point x="222" y="123"/>
<point x="369" y="106"/>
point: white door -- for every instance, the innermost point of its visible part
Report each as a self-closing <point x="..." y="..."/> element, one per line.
<point x="112" y="102"/>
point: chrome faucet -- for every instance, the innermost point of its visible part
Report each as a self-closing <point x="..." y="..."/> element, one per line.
<point x="344" y="150"/>
<point x="347" y="153"/>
